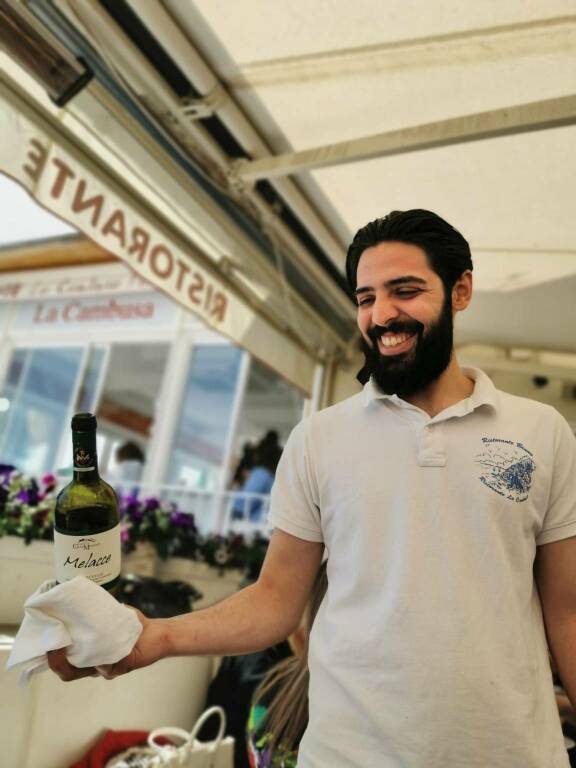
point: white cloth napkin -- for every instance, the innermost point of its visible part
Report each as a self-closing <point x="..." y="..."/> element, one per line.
<point x="78" y="615"/>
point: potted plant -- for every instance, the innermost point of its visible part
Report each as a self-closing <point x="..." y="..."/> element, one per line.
<point x="139" y="552"/>
<point x="26" y="539"/>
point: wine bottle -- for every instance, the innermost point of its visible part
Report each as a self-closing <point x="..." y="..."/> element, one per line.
<point x="86" y="519"/>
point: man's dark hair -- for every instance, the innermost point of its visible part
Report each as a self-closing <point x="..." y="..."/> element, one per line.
<point x="268" y="451"/>
<point x="447" y="250"/>
<point x="130" y="452"/>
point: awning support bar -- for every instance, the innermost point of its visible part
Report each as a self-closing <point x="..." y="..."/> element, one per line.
<point x="523" y="118"/>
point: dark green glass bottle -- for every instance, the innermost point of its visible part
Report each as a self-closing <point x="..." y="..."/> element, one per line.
<point x="86" y="520"/>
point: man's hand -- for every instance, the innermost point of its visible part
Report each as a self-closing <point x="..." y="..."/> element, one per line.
<point x="59" y="664"/>
<point x="255" y="618"/>
<point x="152" y="645"/>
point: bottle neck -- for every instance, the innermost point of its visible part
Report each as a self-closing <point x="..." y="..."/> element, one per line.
<point x="84" y="457"/>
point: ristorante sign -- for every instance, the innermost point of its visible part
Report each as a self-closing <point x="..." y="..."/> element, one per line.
<point x="88" y="195"/>
<point x="115" y="228"/>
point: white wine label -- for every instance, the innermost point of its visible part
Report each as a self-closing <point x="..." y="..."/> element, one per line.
<point x="95" y="556"/>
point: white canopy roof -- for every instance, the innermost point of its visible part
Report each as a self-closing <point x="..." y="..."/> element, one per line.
<point x="312" y="75"/>
<point x="487" y="88"/>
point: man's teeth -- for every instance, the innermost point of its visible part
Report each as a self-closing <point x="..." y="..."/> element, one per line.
<point x="390" y="340"/>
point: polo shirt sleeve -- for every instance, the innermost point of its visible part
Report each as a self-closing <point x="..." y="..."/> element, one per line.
<point x="294" y="505"/>
<point x="560" y="520"/>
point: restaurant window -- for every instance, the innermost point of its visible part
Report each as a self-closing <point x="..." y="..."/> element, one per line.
<point x="87" y="392"/>
<point x="128" y="401"/>
<point x="269" y="403"/>
<point x="39" y="391"/>
<point x="202" y="435"/>
<point x="85" y="401"/>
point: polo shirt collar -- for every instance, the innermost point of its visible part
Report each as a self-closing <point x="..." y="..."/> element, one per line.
<point x="484" y="393"/>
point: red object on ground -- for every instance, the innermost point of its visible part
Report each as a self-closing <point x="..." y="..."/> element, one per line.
<point x="111" y="744"/>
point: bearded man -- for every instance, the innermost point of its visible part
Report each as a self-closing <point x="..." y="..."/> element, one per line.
<point x="447" y="510"/>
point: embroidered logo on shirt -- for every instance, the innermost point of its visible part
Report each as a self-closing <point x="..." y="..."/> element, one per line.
<point x="507" y="467"/>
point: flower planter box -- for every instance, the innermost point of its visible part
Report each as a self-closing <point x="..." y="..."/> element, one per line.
<point x="23" y="567"/>
<point x="207" y="579"/>
<point x="142" y="561"/>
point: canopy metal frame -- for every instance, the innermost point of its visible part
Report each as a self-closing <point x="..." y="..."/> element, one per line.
<point x="507" y="121"/>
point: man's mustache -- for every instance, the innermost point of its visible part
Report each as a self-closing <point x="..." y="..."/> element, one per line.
<point x="396" y="326"/>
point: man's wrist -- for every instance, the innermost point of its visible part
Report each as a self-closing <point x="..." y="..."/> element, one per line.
<point x="167" y="635"/>
<point x="177" y="635"/>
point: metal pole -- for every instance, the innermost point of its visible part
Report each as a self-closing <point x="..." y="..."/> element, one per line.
<point x="220" y="514"/>
<point x="523" y="118"/>
<point x="63" y="453"/>
<point x="315" y="401"/>
<point x="168" y="408"/>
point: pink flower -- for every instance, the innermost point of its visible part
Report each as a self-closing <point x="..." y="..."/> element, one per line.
<point x="49" y="481"/>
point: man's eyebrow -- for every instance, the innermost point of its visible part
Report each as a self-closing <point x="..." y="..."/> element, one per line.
<point x="393" y="283"/>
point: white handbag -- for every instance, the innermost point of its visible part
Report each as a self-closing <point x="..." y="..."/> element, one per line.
<point x="189" y="753"/>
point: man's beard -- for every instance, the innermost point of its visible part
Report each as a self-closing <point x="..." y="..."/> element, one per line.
<point x="412" y="371"/>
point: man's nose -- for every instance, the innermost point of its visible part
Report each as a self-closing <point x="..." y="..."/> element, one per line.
<point x="383" y="311"/>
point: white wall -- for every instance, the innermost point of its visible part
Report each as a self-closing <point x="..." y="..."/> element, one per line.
<point x="552" y="393"/>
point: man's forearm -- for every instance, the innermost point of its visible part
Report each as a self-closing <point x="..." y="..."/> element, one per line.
<point x="251" y="620"/>
<point x="562" y="641"/>
<point x="248" y="621"/>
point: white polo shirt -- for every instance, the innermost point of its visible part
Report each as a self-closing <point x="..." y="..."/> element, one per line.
<point x="429" y="649"/>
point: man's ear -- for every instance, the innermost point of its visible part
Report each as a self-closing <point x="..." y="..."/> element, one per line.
<point x="462" y="291"/>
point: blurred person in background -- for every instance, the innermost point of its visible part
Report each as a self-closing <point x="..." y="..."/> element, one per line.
<point x="265" y="695"/>
<point x="244" y="466"/>
<point x="127" y="474"/>
<point x="272" y="448"/>
<point x="279" y="712"/>
<point x="259" y="480"/>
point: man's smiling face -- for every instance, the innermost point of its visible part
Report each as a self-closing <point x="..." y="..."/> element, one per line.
<point x="404" y="317"/>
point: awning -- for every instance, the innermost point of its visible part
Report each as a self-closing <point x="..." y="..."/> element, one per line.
<point x="39" y="152"/>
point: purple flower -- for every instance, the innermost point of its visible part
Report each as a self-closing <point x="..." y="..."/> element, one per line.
<point x="132" y="509"/>
<point x="5" y="471"/>
<point x="124" y="535"/>
<point x="28" y="496"/>
<point x="135" y="513"/>
<point x="151" y="503"/>
<point x="182" y="520"/>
